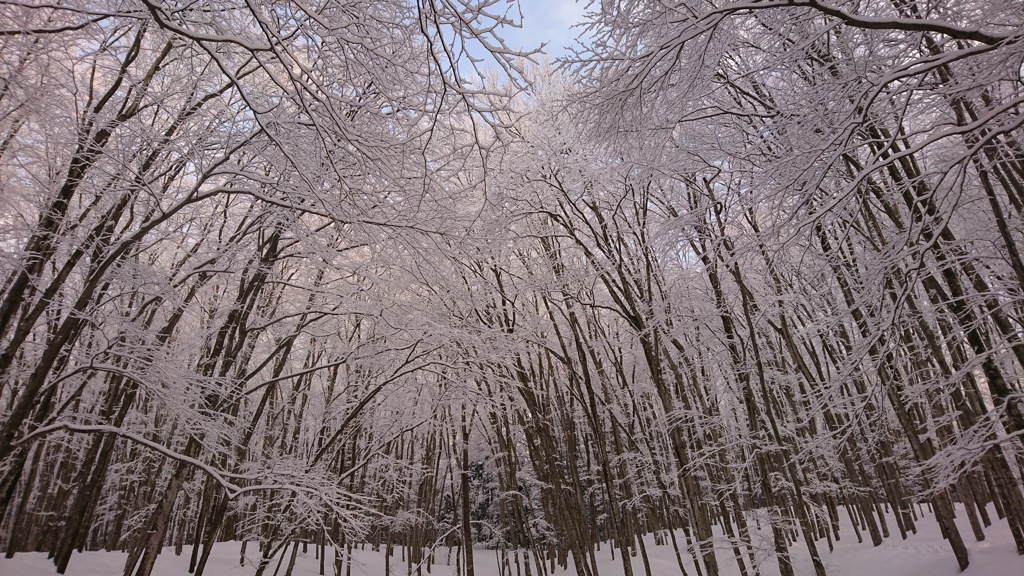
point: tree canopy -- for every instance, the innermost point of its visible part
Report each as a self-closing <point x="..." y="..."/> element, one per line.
<point x="345" y="272"/>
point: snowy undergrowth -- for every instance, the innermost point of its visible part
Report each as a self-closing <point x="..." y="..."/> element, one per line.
<point x="921" y="554"/>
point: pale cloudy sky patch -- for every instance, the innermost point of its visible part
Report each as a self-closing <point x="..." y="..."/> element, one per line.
<point x="548" y="21"/>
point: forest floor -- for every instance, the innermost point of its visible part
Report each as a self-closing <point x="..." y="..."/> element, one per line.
<point x="921" y="554"/>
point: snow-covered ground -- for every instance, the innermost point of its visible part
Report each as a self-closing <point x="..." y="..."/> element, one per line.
<point x="922" y="554"/>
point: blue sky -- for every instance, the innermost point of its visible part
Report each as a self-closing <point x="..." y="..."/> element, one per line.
<point x="546" y="21"/>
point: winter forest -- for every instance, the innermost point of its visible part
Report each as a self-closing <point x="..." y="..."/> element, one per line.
<point x="363" y="275"/>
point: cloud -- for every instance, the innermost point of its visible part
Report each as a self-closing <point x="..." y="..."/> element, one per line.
<point x="548" y="21"/>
